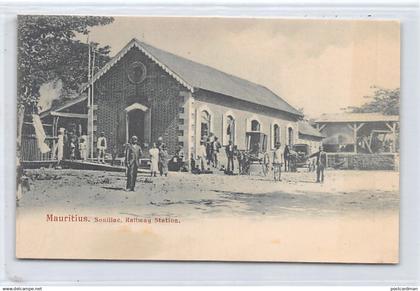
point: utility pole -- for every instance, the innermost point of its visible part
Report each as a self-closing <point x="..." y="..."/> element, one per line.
<point x="89" y="101"/>
<point x="92" y="97"/>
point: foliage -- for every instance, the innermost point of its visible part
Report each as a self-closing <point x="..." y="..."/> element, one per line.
<point x="386" y="101"/>
<point x="48" y="50"/>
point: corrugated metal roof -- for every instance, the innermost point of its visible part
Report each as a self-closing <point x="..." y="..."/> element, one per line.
<point x="307" y="129"/>
<point x="356" y="117"/>
<point x="194" y="75"/>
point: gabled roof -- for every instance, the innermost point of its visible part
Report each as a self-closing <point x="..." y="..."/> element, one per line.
<point x="306" y="129"/>
<point x="194" y="76"/>
<point x="356" y="117"/>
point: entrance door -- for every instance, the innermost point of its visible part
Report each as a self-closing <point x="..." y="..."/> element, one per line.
<point x="136" y="124"/>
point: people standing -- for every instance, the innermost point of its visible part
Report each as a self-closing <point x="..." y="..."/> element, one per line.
<point x="201" y="156"/>
<point x="101" y="146"/>
<point x="159" y="145"/>
<point x="133" y="153"/>
<point x="241" y="157"/>
<point x="230" y="153"/>
<point x="83" y="148"/>
<point x="321" y="163"/>
<point x="154" y="158"/>
<point x="209" y="151"/>
<point x="266" y="163"/>
<point x="66" y="147"/>
<point x="164" y="159"/>
<point x="72" y="148"/>
<point x="286" y="155"/>
<point x="277" y="162"/>
<point x="60" y="147"/>
<point x="179" y="159"/>
<point x="215" y="151"/>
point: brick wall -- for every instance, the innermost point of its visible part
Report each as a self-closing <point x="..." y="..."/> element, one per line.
<point x="159" y="91"/>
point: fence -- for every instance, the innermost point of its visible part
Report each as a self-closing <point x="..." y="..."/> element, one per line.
<point x="356" y="161"/>
<point x="31" y="152"/>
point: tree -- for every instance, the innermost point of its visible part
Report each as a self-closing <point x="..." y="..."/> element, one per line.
<point x="49" y="50"/>
<point x="386" y="101"/>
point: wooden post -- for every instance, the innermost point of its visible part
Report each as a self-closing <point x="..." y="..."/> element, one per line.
<point x="355" y="128"/>
<point x="197" y="131"/>
<point x="355" y="138"/>
<point x="320" y="127"/>
<point x="54" y="135"/>
<point x="393" y="128"/>
<point x="126" y="127"/>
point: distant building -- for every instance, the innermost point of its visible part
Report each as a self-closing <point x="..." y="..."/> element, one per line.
<point x="309" y="135"/>
<point x="359" y="132"/>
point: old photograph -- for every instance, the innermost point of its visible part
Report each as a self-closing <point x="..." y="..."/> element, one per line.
<point x="209" y="139"/>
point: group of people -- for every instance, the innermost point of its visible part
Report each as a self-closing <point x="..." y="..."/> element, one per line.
<point x="208" y="155"/>
<point x="159" y="158"/>
<point x="287" y="157"/>
<point x="71" y="145"/>
<point x="273" y="161"/>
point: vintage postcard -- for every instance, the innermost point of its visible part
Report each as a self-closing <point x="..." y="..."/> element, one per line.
<point x="216" y="139"/>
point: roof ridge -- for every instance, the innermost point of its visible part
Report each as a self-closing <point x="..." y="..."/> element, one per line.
<point x="201" y="64"/>
<point x="237" y="78"/>
<point x="192" y="74"/>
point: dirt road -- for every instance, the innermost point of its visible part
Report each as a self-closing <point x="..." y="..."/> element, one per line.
<point x="185" y="194"/>
<point x="352" y="217"/>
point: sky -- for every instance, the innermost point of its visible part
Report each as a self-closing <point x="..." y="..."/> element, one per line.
<point x="319" y="65"/>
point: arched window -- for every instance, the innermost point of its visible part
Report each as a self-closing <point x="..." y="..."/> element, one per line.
<point x="205" y="124"/>
<point x="255" y="125"/>
<point x="290" y="131"/>
<point x="230" y="129"/>
<point x="276" y="134"/>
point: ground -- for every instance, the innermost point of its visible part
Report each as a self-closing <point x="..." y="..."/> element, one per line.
<point x="185" y="194"/>
<point x="351" y="217"/>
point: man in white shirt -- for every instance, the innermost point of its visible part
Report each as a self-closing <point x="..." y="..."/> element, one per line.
<point x="201" y="155"/>
<point x="277" y="162"/>
<point x="101" y="145"/>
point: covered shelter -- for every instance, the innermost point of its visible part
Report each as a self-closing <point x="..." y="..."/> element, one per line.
<point x="359" y="132"/>
<point x="309" y="135"/>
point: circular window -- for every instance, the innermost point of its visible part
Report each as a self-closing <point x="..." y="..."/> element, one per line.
<point x="136" y="72"/>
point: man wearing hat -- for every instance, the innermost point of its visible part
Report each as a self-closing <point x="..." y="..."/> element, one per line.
<point x="133" y="154"/>
<point x="321" y="163"/>
<point x="277" y="162"/>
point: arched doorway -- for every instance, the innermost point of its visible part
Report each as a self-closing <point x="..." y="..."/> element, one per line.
<point x="205" y="125"/>
<point x="138" y="122"/>
<point x="276" y="134"/>
<point x="230" y="129"/>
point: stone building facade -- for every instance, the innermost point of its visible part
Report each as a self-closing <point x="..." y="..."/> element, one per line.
<point x="150" y="93"/>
